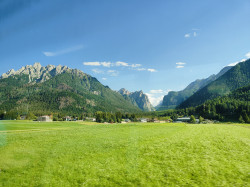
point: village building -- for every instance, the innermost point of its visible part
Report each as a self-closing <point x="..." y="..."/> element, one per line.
<point x="44" y="119"/>
<point x="144" y="120"/>
<point x="182" y="120"/>
<point x="90" y="119"/>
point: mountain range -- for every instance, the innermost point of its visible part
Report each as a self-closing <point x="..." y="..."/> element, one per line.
<point x="174" y="98"/>
<point x="58" y="89"/>
<point x="236" y="77"/>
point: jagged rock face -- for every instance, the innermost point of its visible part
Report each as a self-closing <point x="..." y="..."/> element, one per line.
<point x="38" y="73"/>
<point x="138" y="98"/>
<point x="123" y="91"/>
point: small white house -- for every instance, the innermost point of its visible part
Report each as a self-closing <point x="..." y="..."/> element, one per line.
<point x="90" y="119"/>
<point x="44" y="118"/>
<point x="144" y="120"/>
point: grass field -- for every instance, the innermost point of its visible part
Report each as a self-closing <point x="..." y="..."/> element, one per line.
<point x="83" y="154"/>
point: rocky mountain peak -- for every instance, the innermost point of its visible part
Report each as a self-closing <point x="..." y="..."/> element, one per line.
<point x="38" y="73"/>
<point x="37" y="66"/>
<point x="123" y="91"/>
<point x="138" y="98"/>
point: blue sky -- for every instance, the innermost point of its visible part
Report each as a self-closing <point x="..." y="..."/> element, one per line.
<point x="149" y="45"/>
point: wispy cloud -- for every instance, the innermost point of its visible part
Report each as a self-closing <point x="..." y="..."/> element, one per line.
<point x="113" y="73"/>
<point x="194" y="33"/>
<point x="136" y="67"/>
<point x="178" y="67"/>
<point x="104" y="78"/>
<point x="63" y="51"/>
<point x="141" y="69"/>
<point x="119" y="63"/>
<point x="97" y="71"/>
<point x="180" y="63"/>
<point x="106" y="64"/>
<point x="152" y="70"/>
<point x="91" y="63"/>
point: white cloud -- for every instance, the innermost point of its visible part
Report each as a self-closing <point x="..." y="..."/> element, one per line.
<point x="104" y="78"/>
<point x="180" y="63"/>
<point x="91" y="63"/>
<point x="154" y="100"/>
<point x="98" y="71"/>
<point x="195" y="34"/>
<point x="64" y="51"/>
<point x="119" y="63"/>
<point x="151" y="70"/>
<point x="49" y="54"/>
<point x="187" y="35"/>
<point x="248" y="55"/>
<point x="179" y="67"/>
<point x="113" y="73"/>
<point x="156" y="96"/>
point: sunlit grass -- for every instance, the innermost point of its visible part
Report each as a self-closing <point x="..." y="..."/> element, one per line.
<point x="79" y="154"/>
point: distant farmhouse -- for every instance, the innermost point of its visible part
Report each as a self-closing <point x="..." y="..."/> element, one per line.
<point x="44" y="118"/>
<point x="90" y="119"/>
<point x="185" y="119"/>
<point x="144" y="120"/>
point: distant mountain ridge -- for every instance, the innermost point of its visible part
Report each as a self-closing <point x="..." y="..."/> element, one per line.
<point x="174" y="98"/>
<point x="58" y="89"/>
<point x="238" y="76"/>
<point x="137" y="98"/>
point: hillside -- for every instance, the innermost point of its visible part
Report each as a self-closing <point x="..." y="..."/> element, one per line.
<point x="174" y="98"/>
<point x="137" y="98"/>
<point x="59" y="90"/>
<point x="229" y="107"/>
<point x="236" y="77"/>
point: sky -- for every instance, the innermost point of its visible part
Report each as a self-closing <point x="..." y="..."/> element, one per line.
<point x="149" y="45"/>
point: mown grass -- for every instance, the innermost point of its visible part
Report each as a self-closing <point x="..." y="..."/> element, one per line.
<point x="81" y="154"/>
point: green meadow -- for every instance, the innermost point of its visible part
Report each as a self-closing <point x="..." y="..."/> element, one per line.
<point x="136" y="154"/>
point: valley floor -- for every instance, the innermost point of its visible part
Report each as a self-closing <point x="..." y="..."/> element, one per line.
<point x="80" y="154"/>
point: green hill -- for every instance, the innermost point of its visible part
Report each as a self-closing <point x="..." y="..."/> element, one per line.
<point x="236" y="77"/>
<point x="229" y="107"/>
